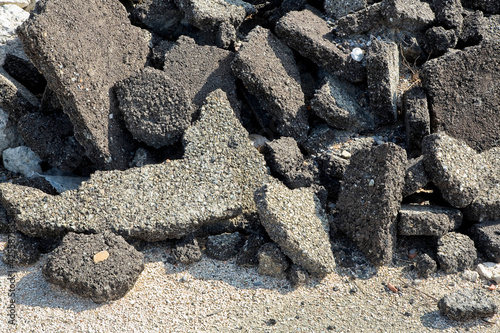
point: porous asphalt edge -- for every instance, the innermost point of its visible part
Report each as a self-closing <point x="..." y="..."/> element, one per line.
<point x="212" y="296"/>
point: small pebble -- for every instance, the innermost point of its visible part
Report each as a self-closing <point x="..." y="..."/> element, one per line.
<point x="101" y="256"/>
<point x="357" y="54"/>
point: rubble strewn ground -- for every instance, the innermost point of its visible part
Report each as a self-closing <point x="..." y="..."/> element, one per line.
<point x="210" y="165"/>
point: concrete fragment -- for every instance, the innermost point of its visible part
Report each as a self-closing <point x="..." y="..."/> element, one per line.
<point x="187" y="250"/>
<point x="438" y="40"/>
<point x="361" y="21"/>
<point x="20" y="250"/>
<point x="382" y="65"/>
<point x="274" y="79"/>
<point x="21" y="160"/>
<point x="272" y="262"/>
<point x="295" y="220"/>
<point x="416" y="177"/>
<point x="456" y="252"/>
<point x="199" y="70"/>
<point x="368" y="214"/>
<point x="15" y="98"/>
<point x="488" y="6"/>
<point x="71" y="266"/>
<point x="23" y="71"/>
<point x="459" y="86"/>
<point x="247" y="257"/>
<point x="340" y="8"/>
<point x="417" y="117"/>
<point x="408" y="15"/>
<point x="224" y="246"/>
<point x="415" y="220"/>
<point x="82" y="58"/>
<point x="297" y="275"/>
<point x="283" y="157"/>
<point x="486" y="236"/>
<point x="309" y="34"/>
<point x="337" y="102"/>
<point x="11" y="16"/>
<point x="448" y="13"/>
<point x="160" y="16"/>
<point x="467" y="305"/>
<point x="155" y="109"/>
<point x="425" y="266"/>
<point x="215" y="180"/>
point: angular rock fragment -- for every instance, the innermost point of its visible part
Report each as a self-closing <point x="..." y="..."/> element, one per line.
<point x="15" y="98"/>
<point x="456" y="252"/>
<point x="82" y="58"/>
<point x="417" y="117"/>
<point x="199" y="70"/>
<point x="416" y="178"/>
<point x="155" y="109"/>
<point x="466" y="179"/>
<point x="51" y="138"/>
<point x="297" y="275"/>
<point x="268" y="70"/>
<point x="461" y="87"/>
<point x="224" y="246"/>
<point x="21" y="160"/>
<point x="337" y="103"/>
<point x="272" y="261"/>
<point x="415" y="220"/>
<point x="467" y="305"/>
<point x="425" y="266"/>
<point x="161" y="16"/>
<point x="215" y="180"/>
<point x="382" y="65"/>
<point x="283" y="156"/>
<point x="448" y="13"/>
<point x="309" y="34"/>
<point x="11" y="16"/>
<point x="340" y="8"/>
<point x="438" y="40"/>
<point x="361" y="21"/>
<point x="408" y="15"/>
<point x="488" y="6"/>
<point x="295" y="220"/>
<point x="20" y="250"/>
<point x="187" y="250"/>
<point x="71" y="266"/>
<point x="486" y="236"/>
<point x="370" y="198"/>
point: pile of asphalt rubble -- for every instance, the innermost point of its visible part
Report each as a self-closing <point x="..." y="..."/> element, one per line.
<point x="258" y="131"/>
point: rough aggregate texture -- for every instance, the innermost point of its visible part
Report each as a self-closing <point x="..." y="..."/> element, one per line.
<point x="467" y="304"/>
<point x="416" y="220"/>
<point x="295" y="220"/>
<point x="416" y="177"/>
<point x="370" y="198"/>
<point x="71" y="266"/>
<point x="486" y="237"/>
<point x="272" y="261"/>
<point x="21" y="250"/>
<point x="456" y="252"/>
<point x="224" y="246"/>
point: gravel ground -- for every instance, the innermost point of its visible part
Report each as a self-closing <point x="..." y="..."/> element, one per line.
<point x="213" y="295"/>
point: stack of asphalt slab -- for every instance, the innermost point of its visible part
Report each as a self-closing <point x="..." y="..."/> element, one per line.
<point x="260" y="131"/>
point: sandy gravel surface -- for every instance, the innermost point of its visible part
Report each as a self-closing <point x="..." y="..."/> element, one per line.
<point x="216" y="296"/>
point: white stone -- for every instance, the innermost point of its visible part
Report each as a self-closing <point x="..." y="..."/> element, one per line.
<point x="22" y="160"/>
<point x="470" y="275"/>
<point x="11" y="16"/>
<point x="484" y="271"/>
<point x="19" y="3"/>
<point x="9" y="136"/>
<point x="357" y="54"/>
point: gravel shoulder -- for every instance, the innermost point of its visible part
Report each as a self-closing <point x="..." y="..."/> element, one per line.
<point x="211" y="296"/>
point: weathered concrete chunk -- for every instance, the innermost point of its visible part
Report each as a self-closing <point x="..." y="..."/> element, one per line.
<point x="72" y="266"/>
<point x="466" y="179"/>
<point x="155" y="109"/>
<point x="467" y="305"/>
<point x="82" y="58"/>
<point x="488" y="6"/>
<point x="15" y="98"/>
<point x="415" y="220"/>
<point x="416" y="177"/>
<point x="370" y="198"/>
<point x="361" y="21"/>
<point x="309" y="34"/>
<point x="336" y="101"/>
<point x="272" y="261"/>
<point x="283" y="156"/>
<point x="460" y="87"/>
<point x="417" y="117"/>
<point x="187" y="250"/>
<point x="161" y="16"/>
<point x="438" y="40"/>
<point x="295" y="220"/>
<point x="456" y="252"/>
<point x="448" y="13"/>
<point x="340" y="8"/>
<point x="51" y="138"/>
<point x="425" y="266"/>
<point x="478" y="27"/>
<point x="486" y="236"/>
<point x="199" y="70"/>
<point x="224" y="246"/>
<point x="408" y="15"/>
<point x="382" y="64"/>
<point x="11" y="16"/>
<point x="215" y="180"/>
<point x="268" y="70"/>
<point x="20" y="250"/>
